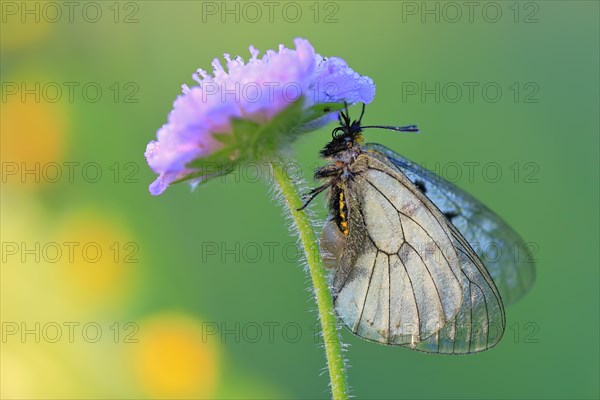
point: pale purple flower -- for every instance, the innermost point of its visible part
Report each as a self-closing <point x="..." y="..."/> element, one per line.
<point x="257" y="90"/>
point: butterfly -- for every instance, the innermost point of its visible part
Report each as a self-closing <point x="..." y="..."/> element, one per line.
<point x="406" y="249"/>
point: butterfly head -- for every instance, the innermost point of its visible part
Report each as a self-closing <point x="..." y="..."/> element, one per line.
<point x="347" y="136"/>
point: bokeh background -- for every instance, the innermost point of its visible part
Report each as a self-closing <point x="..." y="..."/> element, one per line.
<point x="202" y="295"/>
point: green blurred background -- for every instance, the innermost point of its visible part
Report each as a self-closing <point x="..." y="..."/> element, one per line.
<point x="202" y="295"/>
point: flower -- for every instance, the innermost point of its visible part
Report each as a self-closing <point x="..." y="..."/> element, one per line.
<point x="203" y="117"/>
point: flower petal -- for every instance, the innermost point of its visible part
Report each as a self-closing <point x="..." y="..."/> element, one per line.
<point x="256" y="90"/>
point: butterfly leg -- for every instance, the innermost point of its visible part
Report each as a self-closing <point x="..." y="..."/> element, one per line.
<point x="314" y="193"/>
<point x="328" y="171"/>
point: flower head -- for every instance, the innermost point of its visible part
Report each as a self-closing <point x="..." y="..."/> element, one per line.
<point x="204" y="119"/>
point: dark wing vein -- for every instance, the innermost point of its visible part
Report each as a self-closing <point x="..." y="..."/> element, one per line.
<point x="437" y="290"/>
<point x="412" y="289"/>
<point x="476" y="222"/>
<point x="417" y="223"/>
<point x="416" y="194"/>
<point x="362" y="310"/>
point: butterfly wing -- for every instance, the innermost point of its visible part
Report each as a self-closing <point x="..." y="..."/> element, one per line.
<point x="398" y="278"/>
<point x="405" y="276"/>
<point x="480" y="322"/>
<point x="506" y="256"/>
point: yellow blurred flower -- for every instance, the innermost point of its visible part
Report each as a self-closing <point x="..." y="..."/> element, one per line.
<point x="45" y="307"/>
<point x="100" y="258"/>
<point x="24" y="23"/>
<point x="34" y="371"/>
<point x="174" y="360"/>
<point x="33" y="135"/>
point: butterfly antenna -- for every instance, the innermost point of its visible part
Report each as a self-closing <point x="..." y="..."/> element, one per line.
<point x="361" y="114"/>
<point x="347" y="114"/>
<point x="343" y="118"/>
<point x="407" y="128"/>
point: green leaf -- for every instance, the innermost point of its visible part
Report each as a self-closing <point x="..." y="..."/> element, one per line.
<point x="224" y="156"/>
<point x="243" y="129"/>
<point x="225" y="138"/>
<point x="206" y="176"/>
<point x="252" y="141"/>
<point x="319" y="110"/>
<point x="276" y="131"/>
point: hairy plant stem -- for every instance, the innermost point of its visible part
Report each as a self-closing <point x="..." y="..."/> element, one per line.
<point x="308" y="239"/>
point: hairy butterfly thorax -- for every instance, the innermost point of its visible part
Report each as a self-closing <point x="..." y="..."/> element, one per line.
<point x="342" y="152"/>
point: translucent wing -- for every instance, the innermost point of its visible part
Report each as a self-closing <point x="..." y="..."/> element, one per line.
<point x="480" y="322"/>
<point x="405" y="275"/>
<point x="506" y="256"/>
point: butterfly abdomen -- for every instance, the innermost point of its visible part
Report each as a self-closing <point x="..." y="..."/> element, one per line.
<point x="339" y="208"/>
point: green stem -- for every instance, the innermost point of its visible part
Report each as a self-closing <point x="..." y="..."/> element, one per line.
<point x="333" y="349"/>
